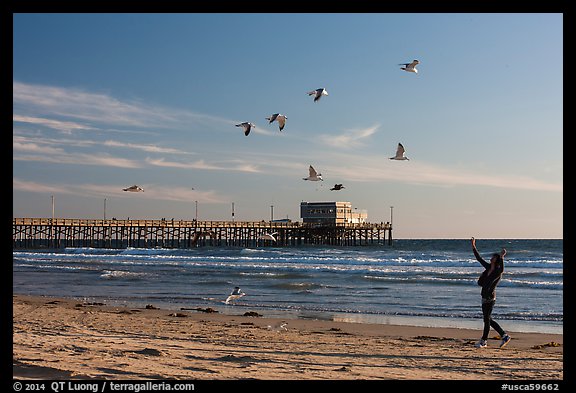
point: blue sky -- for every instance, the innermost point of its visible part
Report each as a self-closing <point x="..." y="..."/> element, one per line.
<point x="105" y="101"/>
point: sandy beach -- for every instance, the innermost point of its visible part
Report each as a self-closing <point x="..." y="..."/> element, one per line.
<point x="57" y="338"/>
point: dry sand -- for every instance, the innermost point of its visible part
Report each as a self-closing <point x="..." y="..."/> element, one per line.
<point x="57" y="339"/>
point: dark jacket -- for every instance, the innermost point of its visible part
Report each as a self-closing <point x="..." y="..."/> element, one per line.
<point x="488" y="282"/>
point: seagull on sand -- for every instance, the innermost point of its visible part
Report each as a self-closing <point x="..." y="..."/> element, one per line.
<point x="134" y="188"/>
<point x="268" y="236"/>
<point x="247" y="127"/>
<point x="318" y="93"/>
<point x="313" y="175"/>
<point x="236" y="294"/>
<point x="278" y="327"/>
<point x="281" y="119"/>
<point x="400" y="153"/>
<point x="337" y="187"/>
<point x="410" y="67"/>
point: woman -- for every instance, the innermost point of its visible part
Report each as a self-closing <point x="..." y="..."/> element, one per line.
<point x="488" y="281"/>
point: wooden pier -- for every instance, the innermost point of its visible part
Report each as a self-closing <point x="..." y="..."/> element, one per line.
<point x="65" y="232"/>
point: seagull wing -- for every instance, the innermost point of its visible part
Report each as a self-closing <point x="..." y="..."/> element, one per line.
<point x="247" y="127"/>
<point x="281" y="122"/>
<point x="273" y="117"/>
<point x="399" y="151"/>
<point x="317" y="93"/>
<point x="312" y="171"/>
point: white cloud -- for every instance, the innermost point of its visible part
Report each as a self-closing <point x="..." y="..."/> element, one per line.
<point x="350" y="138"/>
<point x="21" y="140"/>
<point x="101" y="108"/>
<point x="28" y="146"/>
<point x="64" y="126"/>
<point x="36" y="152"/>
<point x="146" y="148"/>
<point x="413" y="172"/>
<point x="202" y="164"/>
<point x="30" y="186"/>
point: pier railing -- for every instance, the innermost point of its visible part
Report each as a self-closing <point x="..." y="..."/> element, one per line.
<point x="164" y="233"/>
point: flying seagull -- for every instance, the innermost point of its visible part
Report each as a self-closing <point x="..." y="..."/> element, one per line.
<point x="268" y="236"/>
<point x="134" y="188"/>
<point x="313" y="175"/>
<point x="399" y="153"/>
<point x="337" y="187"/>
<point x="318" y="93"/>
<point x="410" y="67"/>
<point x="281" y="119"/>
<point x="247" y="127"/>
<point x="236" y="294"/>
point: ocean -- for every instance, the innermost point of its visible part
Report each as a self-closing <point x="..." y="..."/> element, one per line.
<point x="411" y="282"/>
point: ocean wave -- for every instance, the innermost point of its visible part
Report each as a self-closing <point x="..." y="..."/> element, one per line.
<point x="123" y="275"/>
<point x="303" y="308"/>
<point x="52" y="267"/>
<point x="299" y="286"/>
<point x="275" y="275"/>
<point x="455" y="280"/>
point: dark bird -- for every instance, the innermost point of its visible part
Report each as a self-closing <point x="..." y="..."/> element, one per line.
<point x="337" y="187"/>
<point x="410" y="67"/>
<point x="247" y="127"/>
<point x="134" y="188"/>
<point x="318" y="93"/>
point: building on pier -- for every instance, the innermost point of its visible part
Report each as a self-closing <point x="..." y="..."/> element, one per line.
<point x="331" y="213"/>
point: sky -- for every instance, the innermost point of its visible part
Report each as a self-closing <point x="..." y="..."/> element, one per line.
<point x="105" y="101"/>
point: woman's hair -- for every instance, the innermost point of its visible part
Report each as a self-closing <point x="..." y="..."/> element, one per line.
<point x="499" y="260"/>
